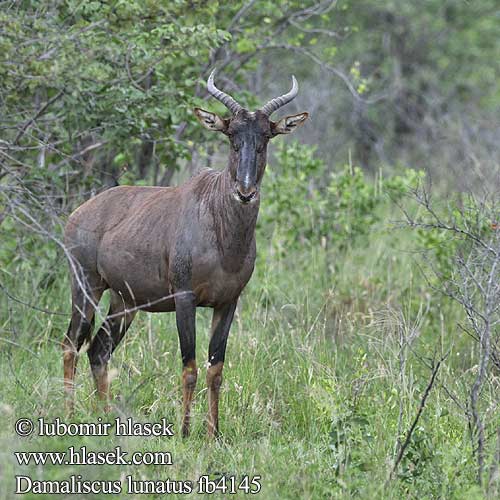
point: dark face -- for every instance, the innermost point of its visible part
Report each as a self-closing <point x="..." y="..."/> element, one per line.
<point x="249" y="134"/>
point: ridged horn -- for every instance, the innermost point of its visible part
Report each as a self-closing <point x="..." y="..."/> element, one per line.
<point x="276" y="103"/>
<point x="224" y="98"/>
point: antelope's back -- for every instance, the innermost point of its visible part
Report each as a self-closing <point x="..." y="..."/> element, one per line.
<point x="119" y="210"/>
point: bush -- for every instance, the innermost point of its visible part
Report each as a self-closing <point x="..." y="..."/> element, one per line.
<point x="306" y="205"/>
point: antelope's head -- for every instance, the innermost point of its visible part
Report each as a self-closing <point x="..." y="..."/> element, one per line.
<point x="249" y="133"/>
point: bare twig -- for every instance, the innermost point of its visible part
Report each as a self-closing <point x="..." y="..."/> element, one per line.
<point x="421" y="407"/>
<point x="37" y="115"/>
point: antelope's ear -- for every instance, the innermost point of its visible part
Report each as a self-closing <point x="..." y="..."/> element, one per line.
<point x="211" y="120"/>
<point x="288" y="124"/>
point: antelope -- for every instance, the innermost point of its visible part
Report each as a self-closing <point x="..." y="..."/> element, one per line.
<point x="165" y="249"/>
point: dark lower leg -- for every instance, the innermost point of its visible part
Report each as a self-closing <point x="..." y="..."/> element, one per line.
<point x="104" y="343"/>
<point x="185" y="314"/>
<point x="86" y="291"/>
<point x="221" y="323"/>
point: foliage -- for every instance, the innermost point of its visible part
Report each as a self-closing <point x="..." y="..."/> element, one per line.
<point x="312" y="205"/>
<point x="112" y="75"/>
<point x="450" y="230"/>
<point x="324" y="370"/>
<point x="312" y="384"/>
<point x="101" y="92"/>
<point x="423" y="79"/>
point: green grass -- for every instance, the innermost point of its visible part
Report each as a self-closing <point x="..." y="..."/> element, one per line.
<point x="313" y="398"/>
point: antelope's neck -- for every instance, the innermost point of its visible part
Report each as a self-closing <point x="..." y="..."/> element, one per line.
<point x="234" y="221"/>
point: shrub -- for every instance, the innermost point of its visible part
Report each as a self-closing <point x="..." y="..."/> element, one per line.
<point x="308" y="204"/>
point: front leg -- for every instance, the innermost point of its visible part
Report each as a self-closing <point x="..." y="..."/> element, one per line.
<point x="221" y="323"/>
<point x="185" y="314"/>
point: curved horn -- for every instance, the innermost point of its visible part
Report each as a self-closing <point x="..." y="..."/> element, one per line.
<point x="224" y="98"/>
<point x="276" y="103"/>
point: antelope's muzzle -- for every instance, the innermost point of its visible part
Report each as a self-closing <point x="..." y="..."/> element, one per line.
<point x="245" y="194"/>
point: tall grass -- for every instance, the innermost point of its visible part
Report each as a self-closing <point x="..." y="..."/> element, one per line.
<point x="326" y="365"/>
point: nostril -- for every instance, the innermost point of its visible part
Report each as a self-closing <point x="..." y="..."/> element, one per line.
<point x="244" y="191"/>
<point x="245" y="197"/>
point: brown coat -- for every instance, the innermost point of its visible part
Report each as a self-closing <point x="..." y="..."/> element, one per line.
<point x="172" y="249"/>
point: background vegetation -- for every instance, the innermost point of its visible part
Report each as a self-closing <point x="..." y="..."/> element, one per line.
<point x="363" y="360"/>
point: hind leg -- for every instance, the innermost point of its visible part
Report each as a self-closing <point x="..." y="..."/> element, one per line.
<point x="105" y="342"/>
<point x="85" y="297"/>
